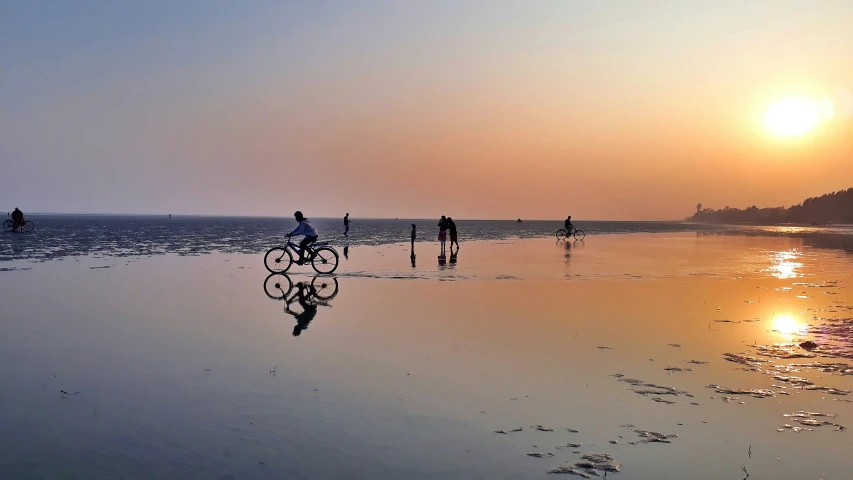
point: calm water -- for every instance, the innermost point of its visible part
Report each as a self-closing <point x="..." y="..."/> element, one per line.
<point x="61" y="236"/>
<point x="71" y="235"/>
<point x="183" y="367"/>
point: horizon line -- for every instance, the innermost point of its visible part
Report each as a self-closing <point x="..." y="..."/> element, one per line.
<point x="207" y="215"/>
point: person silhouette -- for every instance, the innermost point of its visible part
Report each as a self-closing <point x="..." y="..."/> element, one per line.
<point x="308" y="232"/>
<point x="442" y="232"/>
<point x="569" y="226"/>
<point x="414" y="234"/>
<point x="17" y="219"/>
<point x="346" y="225"/>
<point x="451" y="225"/>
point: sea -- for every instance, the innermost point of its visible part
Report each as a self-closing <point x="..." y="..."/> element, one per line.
<point x="59" y="236"/>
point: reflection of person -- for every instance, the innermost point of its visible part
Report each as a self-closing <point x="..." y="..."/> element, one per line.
<point x="309" y="311"/>
<point x="304" y="228"/>
<point x="413" y="255"/>
<point x="346" y="224"/>
<point x="453" y="255"/>
<point x="346" y="252"/>
<point x="452" y="226"/>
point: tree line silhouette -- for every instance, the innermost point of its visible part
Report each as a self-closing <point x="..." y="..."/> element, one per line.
<point x="835" y="207"/>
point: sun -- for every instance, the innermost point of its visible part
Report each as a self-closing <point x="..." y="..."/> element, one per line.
<point x="793" y="117"/>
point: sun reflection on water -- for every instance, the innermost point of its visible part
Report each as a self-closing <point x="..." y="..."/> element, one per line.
<point x="788" y="326"/>
<point x="785" y="265"/>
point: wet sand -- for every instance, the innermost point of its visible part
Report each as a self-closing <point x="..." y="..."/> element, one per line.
<point x="183" y="367"/>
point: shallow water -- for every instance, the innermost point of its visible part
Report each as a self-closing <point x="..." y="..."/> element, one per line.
<point x="59" y="236"/>
<point x="183" y="367"/>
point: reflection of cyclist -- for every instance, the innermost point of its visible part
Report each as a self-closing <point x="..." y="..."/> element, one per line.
<point x="17" y="219"/>
<point x="304" y="228"/>
<point x="309" y="310"/>
<point x="569" y="226"/>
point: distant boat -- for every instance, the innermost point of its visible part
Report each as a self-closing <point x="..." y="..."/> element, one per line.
<point x="518" y="221"/>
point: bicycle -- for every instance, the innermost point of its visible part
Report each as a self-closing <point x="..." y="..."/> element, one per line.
<point x="9" y="226"/>
<point x="323" y="258"/>
<point x="576" y="232"/>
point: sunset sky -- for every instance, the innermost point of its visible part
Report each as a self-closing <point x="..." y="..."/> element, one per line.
<point x="412" y="109"/>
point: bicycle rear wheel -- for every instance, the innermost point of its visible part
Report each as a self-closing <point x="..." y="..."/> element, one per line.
<point x="325" y="288"/>
<point x="28" y="226"/>
<point x="579" y="234"/>
<point x="8" y="226"/>
<point x="561" y="233"/>
<point x="278" y="260"/>
<point x="277" y="286"/>
<point x="325" y="260"/>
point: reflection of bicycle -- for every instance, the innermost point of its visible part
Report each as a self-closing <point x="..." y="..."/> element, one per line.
<point x="323" y="258"/>
<point x="320" y="291"/>
<point x="9" y="226"/>
<point x="307" y="297"/>
<point x="576" y="232"/>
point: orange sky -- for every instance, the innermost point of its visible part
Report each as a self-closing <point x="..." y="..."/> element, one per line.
<point x="605" y="110"/>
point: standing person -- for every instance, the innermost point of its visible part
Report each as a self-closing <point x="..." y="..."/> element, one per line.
<point x="442" y="231"/>
<point x="346" y="225"/>
<point x="304" y="228"/>
<point x="453" y="239"/>
<point x="414" y="234"/>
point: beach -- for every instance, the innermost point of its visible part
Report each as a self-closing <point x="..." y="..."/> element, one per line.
<point x="677" y="353"/>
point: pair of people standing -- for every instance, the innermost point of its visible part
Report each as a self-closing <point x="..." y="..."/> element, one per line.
<point x="445" y="224"/>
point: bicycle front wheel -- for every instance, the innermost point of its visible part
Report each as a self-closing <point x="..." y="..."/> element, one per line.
<point x="325" y="260"/>
<point x="28" y="226"/>
<point x="579" y="234"/>
<point x="278" y="260"/>
<point x="277" y="286"/>
<point x="8" y="226"/>
<point x="561" y="233"/>
<point x="325" y="288"/>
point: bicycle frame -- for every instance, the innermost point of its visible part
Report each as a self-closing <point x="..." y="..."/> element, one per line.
<point x="309" y="248"/>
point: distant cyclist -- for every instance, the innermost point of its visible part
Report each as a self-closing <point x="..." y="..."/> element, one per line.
<point x="304" y="228"/>
<point x="569" y="226"/>
<point x="17" y="219"/>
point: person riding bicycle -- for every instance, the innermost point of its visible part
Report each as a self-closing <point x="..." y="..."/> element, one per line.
<point x="569" y="226"/>
<point x="304" y="228"/>
<point x="17" y="219"/>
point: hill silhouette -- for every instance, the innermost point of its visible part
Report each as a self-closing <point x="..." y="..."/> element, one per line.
<point x="836" y="207"/>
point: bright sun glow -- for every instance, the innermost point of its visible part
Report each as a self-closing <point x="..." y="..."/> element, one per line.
<point x="787" y="325"/>
<point x="793" y="117"/>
